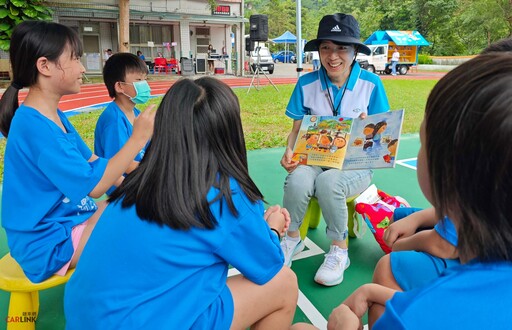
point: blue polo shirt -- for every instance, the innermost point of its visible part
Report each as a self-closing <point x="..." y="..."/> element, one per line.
<point x="470" y="296"/>
<point x="136" y="274"/>
<point x="112" y="131"/>
<point x="47" y="178"/>
<point x="364" y="94"/>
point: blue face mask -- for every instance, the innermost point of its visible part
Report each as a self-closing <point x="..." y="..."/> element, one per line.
<point x="142" y="90"/>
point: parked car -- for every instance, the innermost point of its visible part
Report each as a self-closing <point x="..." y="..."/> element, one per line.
<point x="284" y="56"/>
<point x="262" y="56"/>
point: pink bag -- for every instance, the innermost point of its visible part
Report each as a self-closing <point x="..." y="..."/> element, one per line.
<point x="377" y="212"/>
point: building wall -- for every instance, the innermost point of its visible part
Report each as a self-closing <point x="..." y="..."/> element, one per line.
<point x="177" y="21"/>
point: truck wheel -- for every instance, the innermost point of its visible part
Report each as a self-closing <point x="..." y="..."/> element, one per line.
<point x="402" y="69"/>
<point x="387" y="70"/>
<point x="370" y="68"/>
<point x="271" y="71"/>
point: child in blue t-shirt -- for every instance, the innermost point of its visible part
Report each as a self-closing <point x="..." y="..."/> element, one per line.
<point x="423" y="248"/>
<point x="125" y="76"/>
<point x="465" y="174"/>
<point x="159" y="257"/>
<point x="50" y="175"/>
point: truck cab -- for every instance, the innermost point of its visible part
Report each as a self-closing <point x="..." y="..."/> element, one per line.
<point x="376" y="61"/>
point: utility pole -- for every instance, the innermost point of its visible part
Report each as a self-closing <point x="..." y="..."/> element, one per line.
<point x="124" y="26"/>
<point x="298" y="46"/>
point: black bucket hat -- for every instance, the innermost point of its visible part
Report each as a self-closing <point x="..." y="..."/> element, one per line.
<point x="338" y="28"/>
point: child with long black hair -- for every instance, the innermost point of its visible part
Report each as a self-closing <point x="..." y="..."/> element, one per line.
<point x="159" y="256"/>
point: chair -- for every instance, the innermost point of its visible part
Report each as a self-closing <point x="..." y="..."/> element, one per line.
<point x="172" y="65"/>
<point x="160" y="65"/>
<point x="24" y="300"/>
<point x="313" y="212"/>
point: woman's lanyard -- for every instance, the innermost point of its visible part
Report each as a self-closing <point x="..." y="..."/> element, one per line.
<point x="335" y="110"/>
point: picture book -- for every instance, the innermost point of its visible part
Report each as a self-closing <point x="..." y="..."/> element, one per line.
<point x="349" y="143"/>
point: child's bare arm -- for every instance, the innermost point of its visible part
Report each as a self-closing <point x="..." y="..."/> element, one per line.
<point x="428" y="241"/>
<point x="117" y="165"/>
<point x="409" y="225"/>
<point x="366" y="295"/>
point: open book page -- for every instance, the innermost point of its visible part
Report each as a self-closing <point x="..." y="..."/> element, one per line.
<point x="345" y="143"/>
<point x="322" y="141"/>
<point x="374" y="141"/>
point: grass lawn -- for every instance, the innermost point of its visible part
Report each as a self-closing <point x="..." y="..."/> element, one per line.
<point x="264" y="122"/>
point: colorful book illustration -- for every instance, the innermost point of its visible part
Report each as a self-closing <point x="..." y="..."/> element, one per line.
<point x="349" y="144"/>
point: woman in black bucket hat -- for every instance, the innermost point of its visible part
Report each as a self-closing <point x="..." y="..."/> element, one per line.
<point x="339" y="88"/>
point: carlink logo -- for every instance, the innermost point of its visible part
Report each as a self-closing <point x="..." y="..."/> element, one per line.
<point x="25" y="317"/>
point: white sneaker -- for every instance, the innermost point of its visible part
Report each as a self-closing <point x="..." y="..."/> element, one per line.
<point x="290" y="248"/>
<point x="331" y="271"/>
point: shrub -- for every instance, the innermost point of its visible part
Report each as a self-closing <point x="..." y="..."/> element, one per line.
<point x="424" y="59"/>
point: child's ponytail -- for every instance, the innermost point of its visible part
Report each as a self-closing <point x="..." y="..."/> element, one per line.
<point x="8" y="106"/>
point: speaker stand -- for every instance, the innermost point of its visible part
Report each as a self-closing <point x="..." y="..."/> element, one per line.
<point x="256" y="74"/>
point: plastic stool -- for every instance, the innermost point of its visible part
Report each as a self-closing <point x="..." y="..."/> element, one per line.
<point x="24" y="301"/>
<point x="313" y="212"/>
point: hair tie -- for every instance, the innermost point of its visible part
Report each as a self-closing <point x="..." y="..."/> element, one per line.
<point x="17" y="85"/>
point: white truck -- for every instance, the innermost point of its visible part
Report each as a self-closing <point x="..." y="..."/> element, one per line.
<point x="379" y="60"/>
<point x="261" y="56"/>
<point x="382" y="45"/>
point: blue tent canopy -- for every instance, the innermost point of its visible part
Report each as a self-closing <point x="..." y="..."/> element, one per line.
<point x="400" y="38"/>
<point x="285" y="38"/>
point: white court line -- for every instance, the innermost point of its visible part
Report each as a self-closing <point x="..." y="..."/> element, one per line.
<point x="313" y="315"/>
<point x="404" y="164"/>
<point x="312" y="250"/>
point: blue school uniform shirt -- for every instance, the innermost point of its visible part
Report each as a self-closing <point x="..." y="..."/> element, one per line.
<point x="112" y="131"/>
<point x="47" y="178"/>
<point x="364" y="94"/>
<point x="470" y="296"/>
<point x="446" y="229"/>
<point x="134" y="274"/>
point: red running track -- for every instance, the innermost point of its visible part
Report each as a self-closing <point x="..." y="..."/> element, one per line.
<point x="93" y="94"/>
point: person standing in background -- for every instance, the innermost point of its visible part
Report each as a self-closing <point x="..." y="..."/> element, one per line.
<point x="316" y="60"/>
<point x="106" y="54"/>
<point x="140" y="55"/>
<point x="211" y="64"/>
<point x="394" y="61"/>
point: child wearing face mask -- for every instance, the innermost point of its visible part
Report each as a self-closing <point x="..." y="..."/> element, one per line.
<point x="125" y="76"/>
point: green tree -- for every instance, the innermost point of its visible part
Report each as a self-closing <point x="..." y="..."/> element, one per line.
<point x="13" y="12"/>
<point x="506" y="13"/>
<point x="479" y="23"/>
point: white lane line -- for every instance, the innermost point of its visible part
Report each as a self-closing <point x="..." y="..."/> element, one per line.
<point x="403" y="162"/>
<point x="312" y="250"/>
<point x="313" y="315"/>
